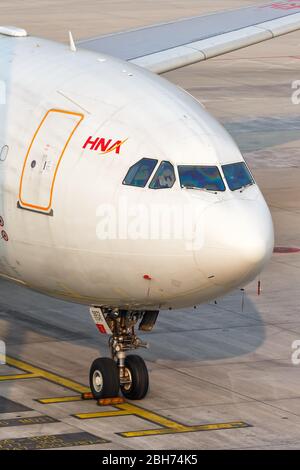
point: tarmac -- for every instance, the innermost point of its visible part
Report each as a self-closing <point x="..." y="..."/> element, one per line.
<point x="222" y="375"/>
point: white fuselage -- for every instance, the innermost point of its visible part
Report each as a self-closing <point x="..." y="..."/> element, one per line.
<point x="57" y="192"/>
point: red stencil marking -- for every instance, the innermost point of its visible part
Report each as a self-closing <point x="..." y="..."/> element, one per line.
<point x="101" y="328"/>
<point x="283" y="5"/>
<point x="4" y="235"/>
<point x="286" y="249"/>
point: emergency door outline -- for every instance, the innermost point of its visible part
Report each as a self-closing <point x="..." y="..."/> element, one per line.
<point x="44" y="165"/>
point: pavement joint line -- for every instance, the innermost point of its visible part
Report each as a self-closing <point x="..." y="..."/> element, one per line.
<point x="222" y="387"/>
<point x="215" y="328"/>
<point x="292" y="413"/>
<point x="248" y="398"/>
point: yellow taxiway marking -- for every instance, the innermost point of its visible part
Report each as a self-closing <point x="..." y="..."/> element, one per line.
<point x="49" y="401"/>
<point x="167" y="426"/>
<point x="17" y="377"/>
<point x="183" y="429"/>
<point x="37" y="372"/>
<point x="103" y="414"/>
<point x="83" y="397"/>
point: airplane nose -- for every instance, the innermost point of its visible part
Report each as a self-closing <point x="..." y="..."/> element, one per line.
<point x="238" y="240"/>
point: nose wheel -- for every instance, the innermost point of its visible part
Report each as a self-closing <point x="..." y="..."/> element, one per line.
<point x="126" y="373"/>
<point x="136" y="374"/>
<point x="104" y="378"/>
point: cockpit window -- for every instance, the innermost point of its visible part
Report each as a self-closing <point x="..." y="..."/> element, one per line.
<point x="237" y="176"/>
<point x="164" y="177"/>
<point x="201" y="177"/>
<point x="139" y="174"/>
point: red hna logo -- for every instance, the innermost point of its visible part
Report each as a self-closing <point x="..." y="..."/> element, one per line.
<point x="103" y="145"/>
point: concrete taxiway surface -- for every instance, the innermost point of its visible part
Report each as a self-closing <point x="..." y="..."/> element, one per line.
<point x="229" y="362"/>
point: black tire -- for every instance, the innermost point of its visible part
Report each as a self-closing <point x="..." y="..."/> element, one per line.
<point x="106" y="371"/>
<point x="138" y="373"/>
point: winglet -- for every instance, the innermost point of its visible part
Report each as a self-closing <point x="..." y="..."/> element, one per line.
<point x="72" y="43"/>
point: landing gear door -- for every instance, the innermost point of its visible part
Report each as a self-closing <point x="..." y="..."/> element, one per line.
<point x="43" y="158"/>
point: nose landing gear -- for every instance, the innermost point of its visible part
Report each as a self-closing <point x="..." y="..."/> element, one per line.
<point x="128" y="373"/>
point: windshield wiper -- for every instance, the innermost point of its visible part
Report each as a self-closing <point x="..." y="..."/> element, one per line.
<point x="199" y="189"/>
<point x="243" y="188"/>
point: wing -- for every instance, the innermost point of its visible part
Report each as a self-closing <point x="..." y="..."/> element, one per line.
<point x="164" y="47"/>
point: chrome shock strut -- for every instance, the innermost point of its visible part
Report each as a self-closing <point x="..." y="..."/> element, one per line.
<point x="122" y="324"/>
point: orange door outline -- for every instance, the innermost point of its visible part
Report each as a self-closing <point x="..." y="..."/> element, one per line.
<point x="32" y="206"/>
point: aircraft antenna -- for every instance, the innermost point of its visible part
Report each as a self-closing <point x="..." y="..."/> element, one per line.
<point x="72" y="43"/>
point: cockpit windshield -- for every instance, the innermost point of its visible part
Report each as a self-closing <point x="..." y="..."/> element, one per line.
<point x="237" y="176"/>
<point x="138" y="175"/>
<point x="164" y="177"/>
<point x="201" y="177"/>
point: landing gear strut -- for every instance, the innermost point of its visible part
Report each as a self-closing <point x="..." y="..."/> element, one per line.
<point x="128" y="373"/>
